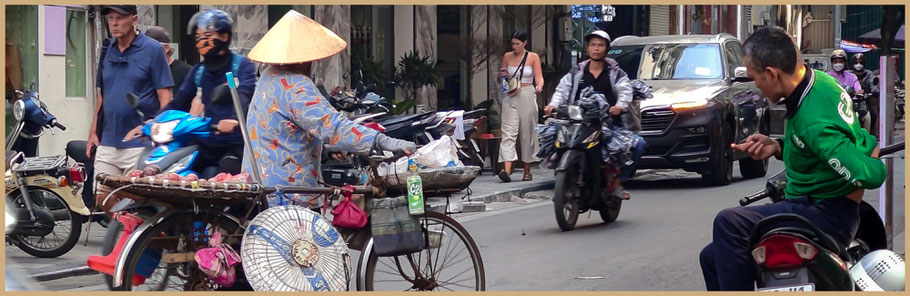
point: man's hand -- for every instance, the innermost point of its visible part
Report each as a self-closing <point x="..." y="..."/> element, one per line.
<point x="227" y="126"/>
<point x="91" y="143"/>
<point x="616" y="110"/>
<point x="197" y="107"/>
<point x="133" y="133"/>
<point x="758" y="146"/>
<point x="548" y="109"/>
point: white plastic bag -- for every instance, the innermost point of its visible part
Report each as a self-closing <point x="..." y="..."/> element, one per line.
<point x="439" y="153"/>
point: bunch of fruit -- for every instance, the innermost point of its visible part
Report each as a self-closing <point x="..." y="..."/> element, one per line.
<point x="155" y="172"/>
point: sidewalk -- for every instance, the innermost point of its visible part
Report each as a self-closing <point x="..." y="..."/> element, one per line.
<point x="487" y="188"/>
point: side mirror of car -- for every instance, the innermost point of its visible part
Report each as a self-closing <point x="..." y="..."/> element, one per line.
<point x="739" y="75"/>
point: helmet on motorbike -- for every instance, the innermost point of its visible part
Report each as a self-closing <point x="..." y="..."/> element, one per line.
<point x="839" y="53"/>
<point x="211" y="19"/>
<point x="880" y="270"/>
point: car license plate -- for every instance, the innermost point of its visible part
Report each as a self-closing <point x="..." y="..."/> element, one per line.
<point x="799" y="288"/>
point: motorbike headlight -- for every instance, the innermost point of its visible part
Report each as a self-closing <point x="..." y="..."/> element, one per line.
<point x="575" y="113"/>
<point x="19" y="110"/>
<point x="163" y="132"/>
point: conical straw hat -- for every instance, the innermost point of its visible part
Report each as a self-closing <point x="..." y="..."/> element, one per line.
<point x="296" y="39"/>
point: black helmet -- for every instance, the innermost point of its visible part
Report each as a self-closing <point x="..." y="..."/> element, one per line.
<point x="859" y="56"/>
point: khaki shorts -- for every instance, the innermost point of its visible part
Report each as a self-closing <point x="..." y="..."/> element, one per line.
<point x="113" y="161"/>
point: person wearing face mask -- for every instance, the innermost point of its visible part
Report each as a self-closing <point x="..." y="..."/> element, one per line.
<point x="222" y="151"/>
<point x="838" y="71"/>
<point x="866" y="77"/>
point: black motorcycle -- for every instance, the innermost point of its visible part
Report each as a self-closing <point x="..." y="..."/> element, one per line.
<point x="803" y="258"/>
<point x="583" y="180"/>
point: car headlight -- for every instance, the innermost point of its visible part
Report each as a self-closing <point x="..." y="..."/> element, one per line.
<point x="163" y="132"/>
<point x="575" y="113"/>
<point x="689" y="104"/>
<point x="19" y="110"/>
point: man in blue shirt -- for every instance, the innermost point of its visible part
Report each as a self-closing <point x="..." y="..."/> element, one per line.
<point x="135" y="64"/>
<point x="223" y="151"/>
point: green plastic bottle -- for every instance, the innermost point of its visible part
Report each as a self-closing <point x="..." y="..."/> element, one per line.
<point x="415" y="190"/>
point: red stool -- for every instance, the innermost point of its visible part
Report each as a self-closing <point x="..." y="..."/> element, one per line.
<point x="106" y="264"/>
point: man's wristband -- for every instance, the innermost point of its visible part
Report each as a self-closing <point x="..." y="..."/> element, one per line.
<point x="780" y="142"/>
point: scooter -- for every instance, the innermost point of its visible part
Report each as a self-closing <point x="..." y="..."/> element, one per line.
<point x="51" y="184"/>
<point x="581" y="174"/>
<point x="804" y="258"/>
<point x="173" y="133"/>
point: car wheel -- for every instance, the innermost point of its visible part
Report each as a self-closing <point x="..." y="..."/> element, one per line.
<point x="722" y="172"/>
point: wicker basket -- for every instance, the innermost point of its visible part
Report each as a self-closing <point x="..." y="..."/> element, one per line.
<point x="436" y="180"/>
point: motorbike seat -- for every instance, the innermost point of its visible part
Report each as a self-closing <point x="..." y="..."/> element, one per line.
<point x="393" y="120"/>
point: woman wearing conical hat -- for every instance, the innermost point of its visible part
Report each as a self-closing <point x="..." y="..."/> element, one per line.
<point x="289" y="120"/>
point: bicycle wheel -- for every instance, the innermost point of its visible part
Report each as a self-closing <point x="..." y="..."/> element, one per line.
<point x="175" y="240"/>
<point x="450" y="263"/>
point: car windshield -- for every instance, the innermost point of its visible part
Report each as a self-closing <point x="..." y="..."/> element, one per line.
<point x="669" y="61"/>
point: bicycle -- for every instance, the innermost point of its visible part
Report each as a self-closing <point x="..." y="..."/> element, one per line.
<point x="196" y="210"/>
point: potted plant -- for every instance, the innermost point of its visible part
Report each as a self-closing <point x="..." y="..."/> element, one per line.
<point x="413" y="73"/>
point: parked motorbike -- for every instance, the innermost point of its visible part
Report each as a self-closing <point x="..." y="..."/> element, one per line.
<point x="44" y="191"/>
<point x="173" y="133"/>
<point x="581" y="174"/>
<point x="804" y="258"/>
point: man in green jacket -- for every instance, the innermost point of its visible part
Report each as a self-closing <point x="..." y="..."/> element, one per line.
<point x="830" y="159"/>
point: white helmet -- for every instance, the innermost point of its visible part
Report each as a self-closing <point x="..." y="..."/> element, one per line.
<point x="881" y="270"/>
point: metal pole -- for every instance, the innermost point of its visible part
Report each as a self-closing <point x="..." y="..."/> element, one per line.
<point x="837" y="26"/>
<point x="232" y="83"/>
<point x="681" y="18"/>
<point x="886" y="136"/>
<point x="739" y="22"/>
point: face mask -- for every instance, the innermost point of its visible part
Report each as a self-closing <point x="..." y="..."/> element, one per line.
<point x="210" y="46"/>
<point x="858" y="67"/>
<point x="838" y="67"/>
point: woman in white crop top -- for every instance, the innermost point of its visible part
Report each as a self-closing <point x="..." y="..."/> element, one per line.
<point x="519" y="108"/>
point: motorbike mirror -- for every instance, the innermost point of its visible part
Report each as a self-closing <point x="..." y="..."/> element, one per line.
<point x="221" y="95"/>
<point x="390" y="84"/>
<point x="850" y="90"/>
<point x="739" y="75"/>
<point x="345" y="75"/>
<point x="370" y="88"/>
<point x="19" y="110"/>
<point x="132" y="100"/>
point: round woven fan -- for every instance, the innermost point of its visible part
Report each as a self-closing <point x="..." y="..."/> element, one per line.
<point x="291" y="248"/>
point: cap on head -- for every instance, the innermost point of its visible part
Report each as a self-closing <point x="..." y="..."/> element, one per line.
<point x="121" y="9"/>
<point x="159" y="34"/>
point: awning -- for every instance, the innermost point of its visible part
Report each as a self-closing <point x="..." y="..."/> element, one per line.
<point x="876" y="36"/>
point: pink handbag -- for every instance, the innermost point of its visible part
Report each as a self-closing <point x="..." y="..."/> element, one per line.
<point x="218" y="261"/>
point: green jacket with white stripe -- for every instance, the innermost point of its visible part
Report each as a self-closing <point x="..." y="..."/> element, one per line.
<point x="826" y="151"/>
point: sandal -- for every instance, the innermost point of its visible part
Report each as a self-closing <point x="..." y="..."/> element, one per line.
<point x="622" y="194"/>
<point x="504" y="176"/>
<point x="527" y="177"/>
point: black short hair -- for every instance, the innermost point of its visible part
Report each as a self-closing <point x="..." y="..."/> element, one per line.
<point x="771" y="47"/>
<point x="521" y="35"/>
